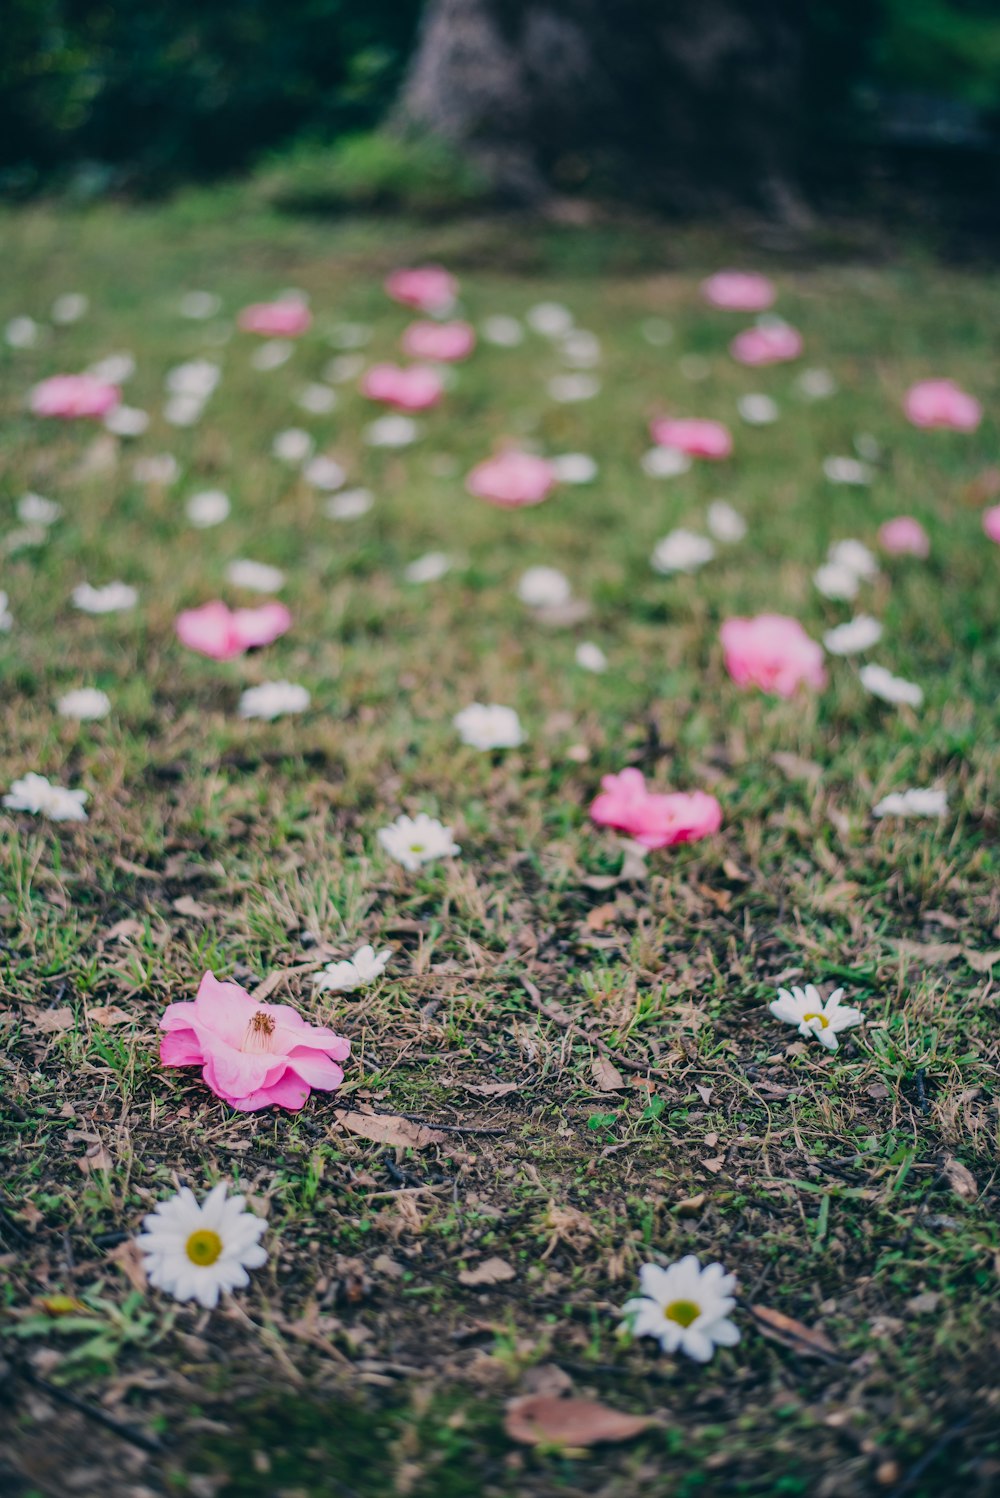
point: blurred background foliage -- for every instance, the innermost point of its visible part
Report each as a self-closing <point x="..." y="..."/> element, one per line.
<point x="140" y="96"/>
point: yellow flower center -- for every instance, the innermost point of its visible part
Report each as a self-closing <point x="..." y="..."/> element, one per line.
<point x="416" y="847"/>
<point x="684" y="1312"/>
<point x="203" y="1247"/>
<point x="824" y="1023"/>
<point x="258" y="1032"/>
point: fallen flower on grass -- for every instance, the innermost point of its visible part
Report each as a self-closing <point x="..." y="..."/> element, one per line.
<point x="126" y="421"/>
<point x="665" y="462"/>
<point x="292" y="445"/>
<point x="693" y="435"/>
<point x="37" y="794"/>
<point x="366" y="966"/>
<point x="915" y="802"/>
<point x="574" y="468"/>
<point x="489" y="726"/>
<point x="991" y="523"/>
<point x="440" y="342"/>
<point x="686" y="1308"/>
<point x="681" y="551"/>
<point x="812" y="1015"/>
<point x="836" y="581"/>
<point x="195" y="1252"/>
<point x="222" y="633"/>
<point x="502" y="331"/>
<point x="656" y="819"/>
<point x="847" y="471"/>
<point x="895" y="689"/>
<point x="855" y="556"/>
<point x="429" y="568"/>
<point x="856" y="635"/>
<point x="512" y="479"/>
<point x="207" y="508"/>
<point x="414" y="389"/>
<point x="739" y="291"/>
<point x="349" y="505"/>
<point x="590" y="657"/>
<point x="113" y="598"/>
<point x="725" y="522"/>
<point x="35" y="509"/>
<point x="772" y="652"/>
<point x="904" y="536"/>
<point x="85" y="704"/>
<point x="282" y="319"/>
<point x="75" y="396"/>
<point x="757" y="410"/>
<point x="391" y="431"/>
<point x="413" y="841"/>
<point x="258" y="577"/>
<point x="943" y="405"/>
<point x="544" y="588"/>
<point x="272" y="699"/>
<point x="428" y="288"/>
<point x="766" y="343"/>
<point x="252" y="1055"/>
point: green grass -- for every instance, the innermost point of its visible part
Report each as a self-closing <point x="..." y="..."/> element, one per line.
<point x="359" y="1363"/>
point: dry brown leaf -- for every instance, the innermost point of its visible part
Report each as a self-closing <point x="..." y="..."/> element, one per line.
<point x="606" y="1075"/>
<point x="542" y="1419"/>
<point x="691" y="1205"/>
<point x="121" y="930"/>
<point x="96" y="1158"/>
<point x="108" y="1015"/>
<point x="386" y="1128"/>
<point x="795" y="767"/>
<point x="185" y="905"/>
<point x="705" y="1093"/>
<point x="930" y="951"/>
<point x="715" y="1164"/>
<point x="601" y="916"/>
<point x="809" y="1342"/>
<point x="982" y="962"/>
<point x="960" y="1179"/>
<point x="488" y="1272"/>
<point x="53" y="1021"/>
<point x="128" y="1257"/>
<point x="490" y="1089"/>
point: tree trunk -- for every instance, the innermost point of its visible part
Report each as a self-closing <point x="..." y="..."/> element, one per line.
<point x="688" y="102"/>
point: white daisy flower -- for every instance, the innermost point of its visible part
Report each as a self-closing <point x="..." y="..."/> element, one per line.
<point x="272" y="699"/>
<point x="257" y="576"/>
<point x="686" y="1308"/>
<point x="591" y="657"/>
<point x="858" y="634"/>
<point x="350" y="335"/>
<point x="35" y="509"/>
<point x="544" y="588"/>
<point x="895" y="689"/>
<point x="927" y="802"/>
<point x="567" y="389"/>
<point x="847" y="471"/>
<point x="757" y="410"/>
<point x="580" y="349"/>
<point x="317" y="399"/>
<point x="272" y="354"/>
<point x="355" y="972"/>
<point x="199" y="305"/>
<point x="206" y="508"/>
<point x="574" y="468"/>
<point x="725" y="522"/>
<point x="6" y="617"/>
<point x="855" y="556"/>
<point x="344" y="368"/>
<point x="194" y="1252"/>
<point x="183" y="410"/>
<point x="126" y="421"/>
<point x="504" y="332"/>
<point x="816" y="384"/>
<point x="804" y="1008"/>
<point x="351" y="504"/>
<point x="428" y="568"/>
<point x="113" y="369"/>
<point x="484" y="725"/>
<point x="391" y="431"/>
<point x="196" y="378"/>
<point x="413" y="841"/>
<point x="681" y="551"/>
<point x="21" y="332"/>
<point x="836" y="582"/>
<point x="551" y="319"/>
<point x="85" y="704"/>
<point x="113" y="598"/>
<point x="293" y="445"/>
<point x="161" y="468"/>
<point x="69" y="307"/>
<point x="325" y="473"/>
<point x="665" y="462"/>
<point x="37" y="794"/>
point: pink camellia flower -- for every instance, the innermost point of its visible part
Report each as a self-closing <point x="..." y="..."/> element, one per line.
<point x="512" y="479"/>
<point x="656" y="819"/>
<point x="943" y="404"/>
<point x="441" y="342"/>
<point x="288" y="318"/>
<point x="429" y="288"/>
<point x="772" y="652"/>
<point x="904" y="536"/>
<point x="766" y="343"/>
<point x="693" y="435"/>
<point x="739" y="291"/>
<point x="222" y="633"/>
<point x="74" y="395"/>
<point x="991" y="523"/>
<point x="252" y="1055"/>
<point x="413" y="389"/>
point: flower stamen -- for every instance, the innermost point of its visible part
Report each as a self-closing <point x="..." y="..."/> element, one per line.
<point x="824" y="1023"/>
<point x="258" y="1032"/>
<point x="203" y="1247"/>
<point x="684" y="1312"/>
